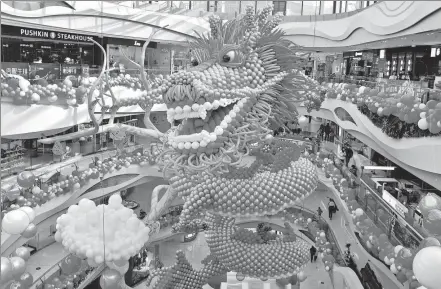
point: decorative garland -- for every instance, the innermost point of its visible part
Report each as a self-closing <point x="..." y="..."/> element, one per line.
<point x="393" y="127"/>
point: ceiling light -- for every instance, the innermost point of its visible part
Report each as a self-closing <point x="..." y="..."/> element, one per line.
<point x="378" y="168"/>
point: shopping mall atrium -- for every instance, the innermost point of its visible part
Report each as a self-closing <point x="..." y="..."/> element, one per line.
<point x="220" y="144"/>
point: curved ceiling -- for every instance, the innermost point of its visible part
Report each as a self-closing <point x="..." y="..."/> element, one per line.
<point x="107" y="19"/>
<point x="381" y="21"/>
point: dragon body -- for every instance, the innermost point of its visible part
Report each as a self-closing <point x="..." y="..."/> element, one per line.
<point x="219" y="151"/>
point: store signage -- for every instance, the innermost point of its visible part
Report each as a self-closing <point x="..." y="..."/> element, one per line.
<point x="16" y="68"/>
<point x="43" y="34"/>
<point x="48" y="71"/>
<point x="358" y="53"/>
<point x="399" y="207"/>
<point x="130" y="42"/>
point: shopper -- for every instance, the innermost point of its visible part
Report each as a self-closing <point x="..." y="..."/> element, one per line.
<point x="319" y="211"/>
<point x="327" y="131"/>
<point x="331" y="135"/>
<point x="313" y="252"/>
<point x="332" y="208"/>
<point x="355" y="161"/>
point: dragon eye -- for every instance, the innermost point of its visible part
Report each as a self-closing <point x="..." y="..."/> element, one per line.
<point x="229" y="56"/>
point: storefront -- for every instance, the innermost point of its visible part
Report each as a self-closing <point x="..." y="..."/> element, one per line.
<point x="419" y="63"/>
<point x="131" y="48"/>
<point x="362" y="63"/>
<point x="38" y="53"/>
<point x="181" y="58"/>
<point x="159" y="58"/>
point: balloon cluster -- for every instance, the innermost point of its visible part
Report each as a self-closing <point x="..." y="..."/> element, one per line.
<point x="430" y="207"/>
<point x="111" y="233"/>
<point x="193" y="226"/>
<point x="19" y="221"/>
<point x="254" y="260"/>
<point x="72" y="268"/>
<point x="14" y="269"/>
<point x="28" y="194"/>
<point x="400" y="260"/>
<point x="250" y="237"/>
<point x="182" y="275"/>
<point x="128" y="91"/>
<point x="426" y="264"/>
<point x="407" y="107"/>
<point x="293" y="280"/>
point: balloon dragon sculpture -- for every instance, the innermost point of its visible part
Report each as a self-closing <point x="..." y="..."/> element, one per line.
<point x="219" y="155"/>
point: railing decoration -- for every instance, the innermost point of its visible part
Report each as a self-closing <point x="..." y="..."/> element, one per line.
<point x="384" y="245"/>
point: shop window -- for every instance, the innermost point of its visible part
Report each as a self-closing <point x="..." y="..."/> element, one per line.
<point x="199" y="5"/>
<point x="328" y="7"/>
<point x="351" y="6"/>
<point x="230" y="6"/>
<point x="212" y="6"/>
<point x="279" y="7"/>
<point x="343" y="6"/>
<point x="337" y="6"/>
<point x="311" y="8"/>
<point x="244" y="5"/>
<point x="294" y="8"/>
<point x="260" y="5"/>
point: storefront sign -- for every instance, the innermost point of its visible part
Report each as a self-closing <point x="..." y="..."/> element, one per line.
<point x="43" y="34"/>
<point x="71" y="69"/>
<point x="399" y="207"/>
<point x="16" y="68"/>
<point x="348" y="54"/>
<point x="130" y="42"/>
<point x="48" y="71"/>
<point x="358" y="53"/>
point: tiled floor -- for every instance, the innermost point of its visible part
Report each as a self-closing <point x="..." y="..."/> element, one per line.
<point x="317" y="277"/>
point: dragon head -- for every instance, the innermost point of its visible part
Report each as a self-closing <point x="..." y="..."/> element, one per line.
<point x="246" y="78"/>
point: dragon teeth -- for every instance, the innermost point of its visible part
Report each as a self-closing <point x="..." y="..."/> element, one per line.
<point x="197" y="110"/>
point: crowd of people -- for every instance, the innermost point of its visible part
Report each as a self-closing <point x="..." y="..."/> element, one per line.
<point x="326" y="132"/>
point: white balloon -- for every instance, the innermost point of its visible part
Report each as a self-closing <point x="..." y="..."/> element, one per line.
<point x="393" y="269"/>
<point x="15" y="222"/>
<point x="427" y="267"/>
<point x="30" y="212"/>
<point x="397" y="249"/>
<point x="115" y="200"/>
<point x="423" y="124"/>
<point x="86" y="205"/>
<point x="359" y="212"/>
<point x="87" y="230"/>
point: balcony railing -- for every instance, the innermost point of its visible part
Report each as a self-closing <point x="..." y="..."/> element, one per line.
<point x="398" y="230"/>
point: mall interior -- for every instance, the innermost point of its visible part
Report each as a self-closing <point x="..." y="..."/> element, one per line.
<point x="220" y="144"/>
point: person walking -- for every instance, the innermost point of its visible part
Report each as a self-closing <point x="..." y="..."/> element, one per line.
<point x="313" y="252"/>
<point x="319" y="211"/>
<point x="327" y="131"/>
<point x="331" y="208"/>
<point x="355" y="162"/>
